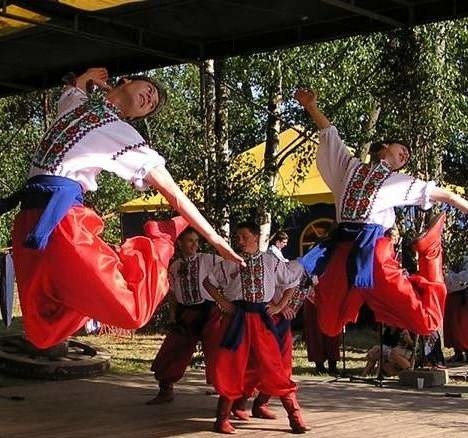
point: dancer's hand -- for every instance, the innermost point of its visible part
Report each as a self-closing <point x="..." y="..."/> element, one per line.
<point x="307" y="98"/>
<point x="226" y="307"/>
<point x="98" y="75"/>
<point x="225" y="251"/>
<point x="288" y="313"/>
<point x="273" y="309"/>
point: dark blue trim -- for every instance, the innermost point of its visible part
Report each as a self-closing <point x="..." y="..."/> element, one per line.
<point x="360" y="263"/>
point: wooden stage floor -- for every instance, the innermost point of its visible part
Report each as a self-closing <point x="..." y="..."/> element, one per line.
<point x="114" y="406"/>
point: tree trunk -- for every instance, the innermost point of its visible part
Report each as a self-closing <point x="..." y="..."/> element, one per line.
<point x="222" y="151"/>
<point x="369" y="129"/>
<point x="207" y="106"/>
<point x="271" y="147"/>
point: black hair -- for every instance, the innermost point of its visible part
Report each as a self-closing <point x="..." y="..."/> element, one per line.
<point x="280" y="235"/>
<point x="162" y="93"/>
<point x="188" y="230"/>
<point x="251" y="226"/>
<point x="377" y="146"/>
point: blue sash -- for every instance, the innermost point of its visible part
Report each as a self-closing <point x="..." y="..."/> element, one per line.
<point x="235" y="331"/>
<point x="55" y="194"/>
<point x="360" y="263"/>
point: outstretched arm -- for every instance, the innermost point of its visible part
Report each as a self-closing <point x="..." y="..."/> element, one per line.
<point x="308" y="99"/>
<point x="443" y="195"/>
<point x="161" y="179"/>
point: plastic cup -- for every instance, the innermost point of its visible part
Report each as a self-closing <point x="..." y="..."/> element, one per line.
<point x="420" y="382"/>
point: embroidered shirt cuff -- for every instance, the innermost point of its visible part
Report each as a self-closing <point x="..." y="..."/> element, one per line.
<point x="139" y="178"/>
<point x="426" y="202"/>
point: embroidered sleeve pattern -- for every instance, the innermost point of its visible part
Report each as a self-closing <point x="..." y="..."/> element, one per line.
<point x="361" y="191"/>
<point x="300" y="293"/>
<point x="128" y="148"/>
<point x="68" y="130"/>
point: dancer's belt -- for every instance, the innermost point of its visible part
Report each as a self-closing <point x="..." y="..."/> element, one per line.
<point x="54" y="194"/>
<point x="360" y="263"/>
<point x="198" y="323"/>
<point x="235" y="331"/>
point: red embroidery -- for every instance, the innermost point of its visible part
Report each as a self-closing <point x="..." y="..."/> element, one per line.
<point x="362" y="189"/>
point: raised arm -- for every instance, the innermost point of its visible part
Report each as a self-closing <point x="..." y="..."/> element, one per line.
<point x="98" y="75"/>
<point x="443" y="195"/>
<point x="308" y="99"/>
<point x="161" y="179"/>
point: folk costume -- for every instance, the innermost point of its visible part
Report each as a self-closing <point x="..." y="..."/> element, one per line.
<point x="456" y="311"/>
<point x="193" y="306"/>
<point x="320" y="347"/>
<point x="357" y="265"/>
<point x="260" y="408"/>
<point x="250" y="332"/>
<point x="65" y="272"/>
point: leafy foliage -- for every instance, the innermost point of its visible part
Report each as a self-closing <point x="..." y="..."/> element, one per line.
<point x="417" y="78"/>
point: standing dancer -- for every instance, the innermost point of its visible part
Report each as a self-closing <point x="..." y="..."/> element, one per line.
<point x="456" y="312"/>
<point x="320" y="347"/>
<point x="282" y="321"/>
<point x="243" y="328"/>
<point x="192" y="309"/>
<point x="65" y="271"/>
<point x="357" y="264"/>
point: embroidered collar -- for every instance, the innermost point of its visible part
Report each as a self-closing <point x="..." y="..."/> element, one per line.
<point x="386" y="165"/>
<point x="115" y="109"/>
<point x="248" y="257"/>
<point x="362" y="190"/>
<point x="189" y="259"/>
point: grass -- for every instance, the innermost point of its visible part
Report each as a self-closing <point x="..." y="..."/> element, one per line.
<point x="357" y="342"/>
<point x="134" y="352"/>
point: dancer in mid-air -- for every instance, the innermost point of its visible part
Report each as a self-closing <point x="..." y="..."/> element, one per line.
<point x="357" y="265"/>
<point x="65" y="272"/>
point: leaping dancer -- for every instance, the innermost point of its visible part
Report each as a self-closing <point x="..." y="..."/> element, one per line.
<point x="65" y="271"/>
<point x="357" y="265"/>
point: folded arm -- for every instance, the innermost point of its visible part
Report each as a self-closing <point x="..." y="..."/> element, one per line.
<point x="224" y="305"/>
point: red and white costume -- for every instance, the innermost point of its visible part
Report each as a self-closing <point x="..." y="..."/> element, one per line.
<point x="78" y="275"/>
<point x="367" y="194"/>
<point x="254" y="284"/>
<point x="192" y="312"/>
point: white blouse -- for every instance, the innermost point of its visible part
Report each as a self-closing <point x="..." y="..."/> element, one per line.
<point x="256" y="283"/>
<point x="456" y="281"/>
<point x="340" y="170"/>
<point x="186" y="278"/>
<point x="87" y="137"/>
<point x="273" y="249"/>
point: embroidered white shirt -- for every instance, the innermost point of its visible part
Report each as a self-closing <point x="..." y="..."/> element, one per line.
<point x="456" y="281"/>
<point x="186" y="278"/>
<point x="273" y="249"/>
<point x="87" y="138"/>
<point x="337" y="167"/>
<point x="258" y="282"/>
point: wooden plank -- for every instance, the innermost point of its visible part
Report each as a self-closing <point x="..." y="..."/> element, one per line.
<point x="114" y="406"/>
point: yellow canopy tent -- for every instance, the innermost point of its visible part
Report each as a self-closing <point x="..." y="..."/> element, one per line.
<point x="310" y="190"/>
<point x="30" y="18"/>
<point x="157" y="202"/>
